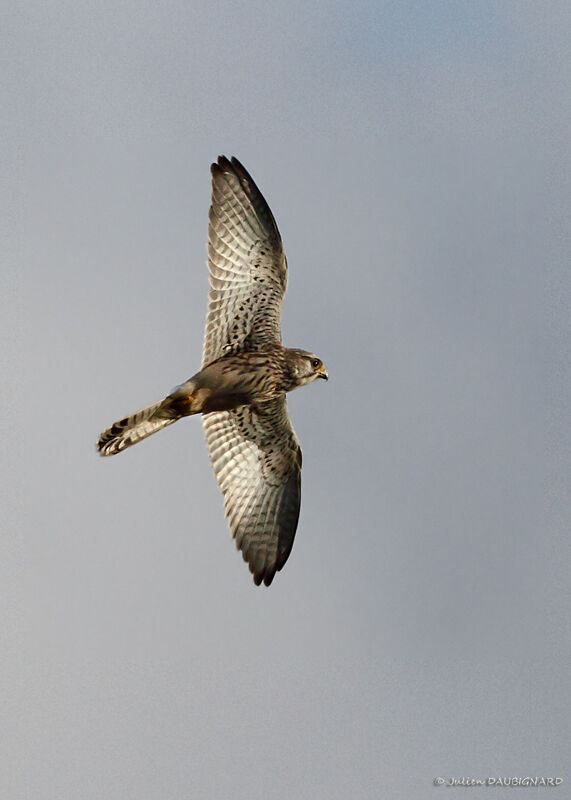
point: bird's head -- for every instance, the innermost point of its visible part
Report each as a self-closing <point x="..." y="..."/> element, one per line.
<point x="305" y="367"/>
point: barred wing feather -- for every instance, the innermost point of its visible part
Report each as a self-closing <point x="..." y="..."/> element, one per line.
<point x="257" y="461"/>
<point x="247" y="266"/>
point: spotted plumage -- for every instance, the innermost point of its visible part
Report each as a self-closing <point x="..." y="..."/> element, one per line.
<point x="246" y="372"/>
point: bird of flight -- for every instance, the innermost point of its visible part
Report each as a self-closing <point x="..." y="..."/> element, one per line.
<point x="246" y="372"/>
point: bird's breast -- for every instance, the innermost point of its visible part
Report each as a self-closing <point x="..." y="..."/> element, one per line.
<point x="241" y="379"/>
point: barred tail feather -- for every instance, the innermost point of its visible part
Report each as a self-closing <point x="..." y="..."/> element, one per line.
<point x="136" y="427"/>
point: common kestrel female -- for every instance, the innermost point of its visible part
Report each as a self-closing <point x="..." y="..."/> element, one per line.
<point x="246" y="372"/>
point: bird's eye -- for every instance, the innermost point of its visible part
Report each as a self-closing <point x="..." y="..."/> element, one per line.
<point x="315" y="363"/>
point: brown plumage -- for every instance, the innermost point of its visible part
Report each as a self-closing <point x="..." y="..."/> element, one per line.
<point x="246" y="372"/>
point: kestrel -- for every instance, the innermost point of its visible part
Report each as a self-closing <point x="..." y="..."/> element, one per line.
<point x="246" y="372"/>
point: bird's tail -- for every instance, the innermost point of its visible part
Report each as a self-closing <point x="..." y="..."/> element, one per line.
<point x="137" y="426"/>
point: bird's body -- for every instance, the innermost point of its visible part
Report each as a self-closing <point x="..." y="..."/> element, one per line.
<point x="246" y="373"/>
<point x="250" y="378"/>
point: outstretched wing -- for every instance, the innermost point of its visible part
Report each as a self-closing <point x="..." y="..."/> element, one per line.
<point x="248" y="268"/>
<point x="257" y="461"/>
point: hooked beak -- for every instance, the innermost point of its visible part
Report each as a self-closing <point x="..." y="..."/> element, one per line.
<point x="323" y="374"/>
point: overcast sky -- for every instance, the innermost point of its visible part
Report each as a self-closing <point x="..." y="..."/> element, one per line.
<point x="417" y="159"/>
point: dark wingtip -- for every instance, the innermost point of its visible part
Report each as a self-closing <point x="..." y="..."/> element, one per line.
<point x="235" y="167"/>
<point x="247" y="182"/>
<point x="240" y="169"/>
<point x="263" y="577"/>
<point x="222" y="164"/>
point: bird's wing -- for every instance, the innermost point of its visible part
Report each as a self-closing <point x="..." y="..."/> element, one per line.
<point x="247" y="265"/>
<point x="257" y="461"/>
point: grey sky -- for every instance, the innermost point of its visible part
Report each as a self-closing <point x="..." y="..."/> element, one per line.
<point x="416" y="157"/>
